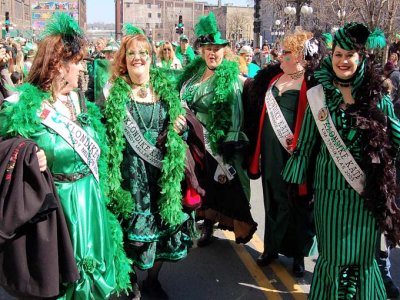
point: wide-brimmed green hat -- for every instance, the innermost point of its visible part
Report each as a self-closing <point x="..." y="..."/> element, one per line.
<point x="207" y="32"/>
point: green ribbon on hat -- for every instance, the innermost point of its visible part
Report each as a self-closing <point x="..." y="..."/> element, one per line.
<point x="207" y="32"/>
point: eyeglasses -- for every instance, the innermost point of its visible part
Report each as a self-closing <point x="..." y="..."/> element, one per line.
<point x="184" y="41"/>
<point x="141" y="53"/>
<point x="167" y="49"/>
<point x="286" y="52"/>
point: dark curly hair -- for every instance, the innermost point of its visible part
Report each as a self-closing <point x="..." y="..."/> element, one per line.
<point x="52" y="52"/>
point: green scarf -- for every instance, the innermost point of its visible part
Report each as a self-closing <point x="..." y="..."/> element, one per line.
<point x="172" y="172"/>
<point x="220" y="110"/>
<point x="21" y="119"/>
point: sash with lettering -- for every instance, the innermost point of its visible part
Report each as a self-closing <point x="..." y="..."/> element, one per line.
<point x="341" y="155"/>
<point x="139" y="144"/>
<point x="278" y="121"/>
<point x="224" y="171"/>
<point x="74" y="135"/>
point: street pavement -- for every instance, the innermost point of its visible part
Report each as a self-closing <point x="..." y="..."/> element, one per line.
<point x="227" y="271"/>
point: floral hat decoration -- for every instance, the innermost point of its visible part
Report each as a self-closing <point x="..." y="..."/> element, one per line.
<point x="207" y="32"/>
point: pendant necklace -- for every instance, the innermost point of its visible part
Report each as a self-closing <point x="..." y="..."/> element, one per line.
<point x="143" y="89"/>
<point x="147" y="129"/>
<point x="296" y="75"/>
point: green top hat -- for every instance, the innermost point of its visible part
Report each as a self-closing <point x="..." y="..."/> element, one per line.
<point x="207" y="32"/>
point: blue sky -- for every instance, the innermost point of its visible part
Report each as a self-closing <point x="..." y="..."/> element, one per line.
<point x="103" y="10"/>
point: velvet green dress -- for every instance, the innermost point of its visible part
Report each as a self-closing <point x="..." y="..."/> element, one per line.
<point x="88" y="220"/>
<point x="346" y="230"/>
<point x="148" y="239"/>
<point x="289" y="226"/>
<point x="229" y="199"/>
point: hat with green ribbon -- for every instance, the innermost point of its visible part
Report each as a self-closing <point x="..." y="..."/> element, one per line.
<point x="207" y="32"/>
<point x="355" y="36"/>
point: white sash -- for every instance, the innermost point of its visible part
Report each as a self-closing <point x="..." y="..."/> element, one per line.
<point x="224" y="171"/>
<point x="74" y="135"/>
<point x="139" y="144"/>
<point x="341" y="155"/>
<point x="278" y="122"/>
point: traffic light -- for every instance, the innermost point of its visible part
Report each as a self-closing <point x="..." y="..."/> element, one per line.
<point x="179" y="28"/>
<point x="7" y="22"/>
<point x="257" y="26"/>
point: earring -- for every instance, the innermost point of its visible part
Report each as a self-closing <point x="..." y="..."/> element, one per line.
<point x="65" y="82"/>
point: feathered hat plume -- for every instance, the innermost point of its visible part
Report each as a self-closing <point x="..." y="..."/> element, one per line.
<point x="206" y="25"/>
<point x="62" y="24"/>
<point x="129" y="29"/>
<point x="376" y="39"/>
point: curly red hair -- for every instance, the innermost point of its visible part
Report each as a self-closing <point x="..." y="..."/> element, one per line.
<point x="120" y="68"/>
<point x="51" y="54"/>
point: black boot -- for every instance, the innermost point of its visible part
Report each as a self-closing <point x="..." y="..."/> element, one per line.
<point x="298" y="266"/>
<point x="206" y="233"/>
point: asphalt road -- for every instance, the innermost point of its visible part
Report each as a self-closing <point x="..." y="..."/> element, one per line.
<point x="227" y="271"/>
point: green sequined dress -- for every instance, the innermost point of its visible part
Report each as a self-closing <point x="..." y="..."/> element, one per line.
<point x="88" y="221"/>
<point x="148" y="238"/>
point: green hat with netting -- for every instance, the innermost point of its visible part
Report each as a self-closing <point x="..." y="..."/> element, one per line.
<point x="207" y="32"/>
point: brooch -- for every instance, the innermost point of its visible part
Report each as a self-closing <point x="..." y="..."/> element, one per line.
<point x="323" y="114"/>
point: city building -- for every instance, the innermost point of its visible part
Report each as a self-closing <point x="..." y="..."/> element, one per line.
<point x="159" y="18"/>
<point x="19" y="15"/>
<point x="42" y="11"/>
<point x="235" y="22"/>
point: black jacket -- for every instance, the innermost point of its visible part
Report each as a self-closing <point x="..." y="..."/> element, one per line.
<point x="36" y="253"/>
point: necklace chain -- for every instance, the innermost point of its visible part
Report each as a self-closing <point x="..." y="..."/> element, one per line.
<point x="147" y="128"/>
<point x="296" y="75"/>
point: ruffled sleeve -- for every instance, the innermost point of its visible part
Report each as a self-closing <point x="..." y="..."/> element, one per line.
<point x="296" y="168"/>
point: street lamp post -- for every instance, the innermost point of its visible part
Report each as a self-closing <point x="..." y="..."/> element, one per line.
<point x="341" y="13"/>
<point x="295" y="7"/>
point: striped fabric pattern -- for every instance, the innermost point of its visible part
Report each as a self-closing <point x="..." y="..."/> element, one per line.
<point x="346" y="231"/>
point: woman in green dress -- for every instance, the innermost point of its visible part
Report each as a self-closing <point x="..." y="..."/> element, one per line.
<point x="289" y="221"/>
<point x="47" y="110"/>
<point x="145" y="171"/>
<point x="356" y="134"/>
<point x="211" y="88"/>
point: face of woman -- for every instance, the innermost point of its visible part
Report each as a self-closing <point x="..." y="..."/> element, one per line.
<point x="166" y="52"/>
<point x="345" y="62"/>
<point x="70" y="73"/>
<point x="137" y="61"/>
<point x="288" y="61"/>
<point x="213" y="55"/>
<point x="248" y="58"/>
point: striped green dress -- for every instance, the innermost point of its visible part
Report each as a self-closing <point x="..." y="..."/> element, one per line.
<point x="346" y="231"/>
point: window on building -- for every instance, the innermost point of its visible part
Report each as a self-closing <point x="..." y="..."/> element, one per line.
<point x="149" y="15"/>
<point x="159" y="15"/>
<point x="147" y="25"/>
<point x="148" y="5"/>
<point x="156" y="25"/>
<point x="158" y="35"/>
<point x="128" y="5"/>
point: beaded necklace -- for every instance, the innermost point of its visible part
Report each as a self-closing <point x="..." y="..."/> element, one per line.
<point x="147" y="128"/>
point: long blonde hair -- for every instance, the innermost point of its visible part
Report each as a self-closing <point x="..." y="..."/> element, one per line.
<point x="171" y="55"/>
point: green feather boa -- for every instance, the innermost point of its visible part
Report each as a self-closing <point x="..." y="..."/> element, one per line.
<point x="21" y="119"/>
<point x="220" y="110"/>
<point x="172" y="172"/>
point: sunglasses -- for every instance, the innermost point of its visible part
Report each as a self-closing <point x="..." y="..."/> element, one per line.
<point x="167" y="49"/>
<point x="286" y="52"/>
